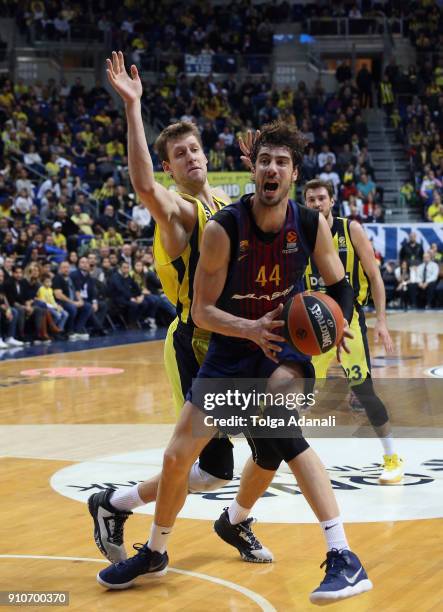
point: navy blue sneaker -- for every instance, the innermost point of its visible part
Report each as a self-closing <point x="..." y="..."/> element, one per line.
<point x="242" y="538"/>
<point x="146" y="563"/>
<point x="108" y="526"/>
<point x="345" y="577"/>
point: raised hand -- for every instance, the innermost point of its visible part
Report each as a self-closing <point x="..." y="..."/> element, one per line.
<point x="246" y="147"/>
<point x="129" y="88"/>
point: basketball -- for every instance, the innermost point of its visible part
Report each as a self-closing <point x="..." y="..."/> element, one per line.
<point x="313" y="322"/>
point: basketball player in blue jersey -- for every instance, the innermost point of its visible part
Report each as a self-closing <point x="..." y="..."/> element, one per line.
<point x="357" y="256"/>
<point x="239" y="293"/>
<point x="180" y="219"/>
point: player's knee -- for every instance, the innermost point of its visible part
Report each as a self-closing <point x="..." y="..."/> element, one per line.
<point x="201" y="481"/>
<point x="174" y="462"/>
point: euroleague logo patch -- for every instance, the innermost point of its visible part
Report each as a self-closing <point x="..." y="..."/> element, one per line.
<point x="353" y="465"/>
<point x="70" y="372"/>
<point x="291" y="242"/>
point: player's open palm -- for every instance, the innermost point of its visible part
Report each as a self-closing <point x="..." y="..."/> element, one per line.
<point x="130" y="88"/>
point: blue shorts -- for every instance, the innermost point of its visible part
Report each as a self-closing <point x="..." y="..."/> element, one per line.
<point x="224" y="360"/>
<point x="229" y="360"/>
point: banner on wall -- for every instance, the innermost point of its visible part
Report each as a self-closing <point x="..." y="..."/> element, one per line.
<point x="235" y="184"/>
<point x="198" y="64"/>
<point x="388" y="238"/>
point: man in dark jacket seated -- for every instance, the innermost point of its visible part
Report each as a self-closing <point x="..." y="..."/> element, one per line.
<point x="85" y="288"/>
<point x="126" y="295"/>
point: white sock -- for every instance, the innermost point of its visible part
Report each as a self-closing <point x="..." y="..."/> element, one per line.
<point x="334" y="533"/>
<point x="237" y="514"/>
<point x="126" y="499"/>
<point x="159" y="537"/>
<point x="388" y="444"/>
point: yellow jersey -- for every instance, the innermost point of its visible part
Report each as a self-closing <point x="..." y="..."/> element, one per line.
<point x="351" y="263"/>
<point x="177" y="276"/>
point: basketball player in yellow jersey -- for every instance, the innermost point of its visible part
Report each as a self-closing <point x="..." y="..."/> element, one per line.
<point x="362" y="271"/>
<point x="180" y="219"/>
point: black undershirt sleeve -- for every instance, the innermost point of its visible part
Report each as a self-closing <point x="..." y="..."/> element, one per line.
<point x="343" y="293"/>
<point x="309" y="221"/>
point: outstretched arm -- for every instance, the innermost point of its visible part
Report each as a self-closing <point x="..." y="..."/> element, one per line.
<point x="164" y="205"/>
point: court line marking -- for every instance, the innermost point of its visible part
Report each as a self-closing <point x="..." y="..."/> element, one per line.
<point x="263" y="603"/>
<point x="83" y="350"/>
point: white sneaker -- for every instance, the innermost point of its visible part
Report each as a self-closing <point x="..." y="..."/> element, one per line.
<point x="73" y="337"/>
<point x="3" y="345"/>
<point x="82" y="336"/>
<point x="392" y="470"/>
<point x="13" y="342"/>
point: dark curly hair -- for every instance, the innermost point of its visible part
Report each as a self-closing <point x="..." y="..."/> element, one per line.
<point x="279" y="134"/>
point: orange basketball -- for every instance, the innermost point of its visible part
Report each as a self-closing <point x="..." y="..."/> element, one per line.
<point x="313" y="322"/>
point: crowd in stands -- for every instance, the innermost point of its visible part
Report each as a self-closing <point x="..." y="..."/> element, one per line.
<point x="75" y="254"/>
<point x="416" y="281"/>
<point x="75" y="250"/>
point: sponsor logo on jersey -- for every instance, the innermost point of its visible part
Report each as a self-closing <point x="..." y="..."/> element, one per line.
<point x="265" y="296"/>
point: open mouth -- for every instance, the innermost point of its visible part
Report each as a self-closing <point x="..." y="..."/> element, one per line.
<point x="270" y="187"/>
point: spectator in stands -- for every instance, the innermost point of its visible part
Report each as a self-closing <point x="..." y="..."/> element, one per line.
<point x="9" y="317"/>
<point x="364" y="84"/>
<point x="23" y="203"/>
<point x="429" y="185"/>
<point x="150" y="285"/>
<point x="30" y="316"/>
<point x="427" y="277"/>
<point x="143" y="219"/>
<point x="389" y="280"/>
<point x="366" y="187"/>
<point x="128" y="297"/>
<point x="326" y="157"/>
<point x="331" y="177"/>
<point x="406" y="289"/>
<point x="45" y="294"/>
<point x="86" y="290"/>
<point x="107" y="219"/>
<point x="78" y="309"/>
<point x="411" y="251"/>
<point x="354" y="215"/>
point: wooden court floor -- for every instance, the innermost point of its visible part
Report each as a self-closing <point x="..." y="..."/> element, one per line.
<point x="59" y="411"/>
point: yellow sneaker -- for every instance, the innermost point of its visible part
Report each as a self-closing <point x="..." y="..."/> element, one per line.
<point x="392" y="470"/>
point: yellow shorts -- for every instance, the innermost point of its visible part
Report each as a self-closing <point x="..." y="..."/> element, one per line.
<point x="356" y="364"/>
<point x="184" y="351"/>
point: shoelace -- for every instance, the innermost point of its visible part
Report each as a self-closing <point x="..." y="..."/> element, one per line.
<point x="246" y="526"/>
<point x="142" y="550"/>
<point x="335" y="564"/>
<point x="119" y="521"/>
